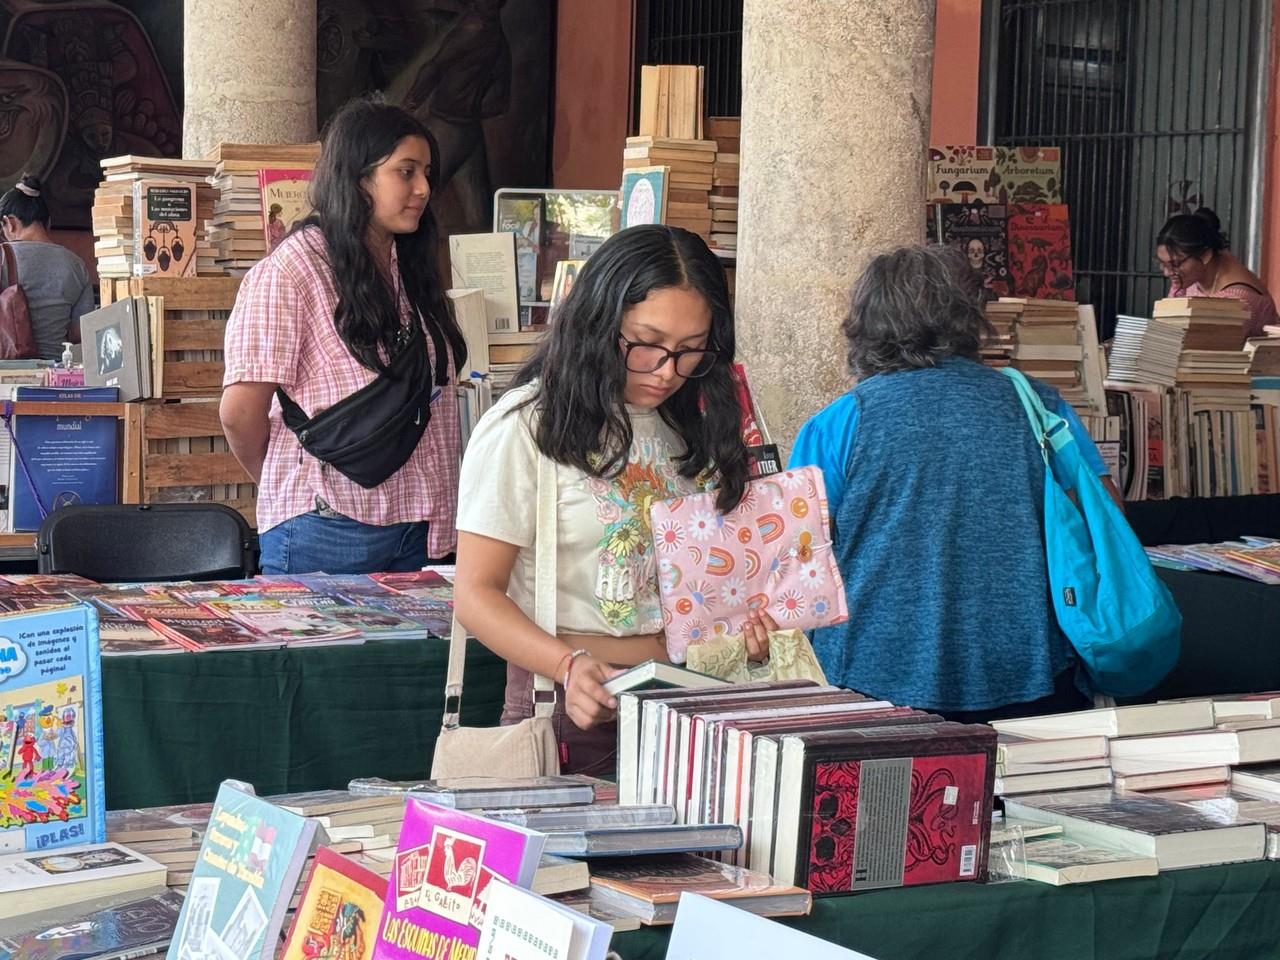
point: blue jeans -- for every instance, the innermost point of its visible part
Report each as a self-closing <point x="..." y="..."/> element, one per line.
<point x="312" y="542"/>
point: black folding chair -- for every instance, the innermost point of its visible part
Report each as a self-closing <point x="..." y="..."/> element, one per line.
<point x="159" y="541"/>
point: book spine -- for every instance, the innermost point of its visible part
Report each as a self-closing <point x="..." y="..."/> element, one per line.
<point x="95" y="749"/>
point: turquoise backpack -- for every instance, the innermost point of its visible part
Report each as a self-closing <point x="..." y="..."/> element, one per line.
<point x="1113" y="608"/>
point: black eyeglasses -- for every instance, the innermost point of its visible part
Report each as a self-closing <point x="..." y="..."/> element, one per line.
<point x="1170" y="266"/>
<point x="641" y="357"/>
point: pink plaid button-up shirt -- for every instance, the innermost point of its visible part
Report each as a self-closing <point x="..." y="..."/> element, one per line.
<point x="281" y="331"/>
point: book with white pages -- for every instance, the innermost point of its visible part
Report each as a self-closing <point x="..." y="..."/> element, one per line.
<point x="560" y="875"/>
<point x="1265" y="705"/>
<point x="1175" y="835"/>
<point x="1170" y="779"/>
<point x="1063" y="860"/>
<point x="1146" y="719"/>
<point x="631" y="717"/>
<point x="1011" y="748"/>
<point x="521" y="925"/>
<point x="1226" y="803"/>
<point x="1261" y="780"/>
<point x="1062" y="780"/>
<point x="1007" y="829"/>
<point x="707" y="929"/>
<point x="478" y="793"/>
<point x="653" y="674"/>
<point x="654" y="730"/>
<point x="1202" y="749"/>
<point x="1055" y="766"/>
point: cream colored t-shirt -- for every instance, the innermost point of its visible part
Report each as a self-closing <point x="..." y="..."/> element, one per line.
<point x="604" y="554"/>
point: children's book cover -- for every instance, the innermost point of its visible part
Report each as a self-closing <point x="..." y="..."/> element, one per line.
<point x="250" y="860"/>
<point x="1029" y="174"/>
<point x="340" y="911"/>
<point x="978" y="231"/>
<point x="962" y="173"/>
<point x="1039" y="251"/>
<point x="51" y="783"/>
<point x="438" y="891"/>
<point x="113" y="927"/>
<point x="644" y="195"/>
<point x="285" y="201"/>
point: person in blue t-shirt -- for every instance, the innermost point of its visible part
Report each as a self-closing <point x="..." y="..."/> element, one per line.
<point x="935" y="484"/>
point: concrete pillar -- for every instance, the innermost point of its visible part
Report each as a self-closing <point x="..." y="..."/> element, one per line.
<point x="835" y="125"/>
<point x="249" y="72"/>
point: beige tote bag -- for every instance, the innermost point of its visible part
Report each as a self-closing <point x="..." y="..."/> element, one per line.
<point x="528" y="748"/>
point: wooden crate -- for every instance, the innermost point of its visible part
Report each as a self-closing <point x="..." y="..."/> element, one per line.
<point x="189" y="321"/>
<point x="185" y="457"/>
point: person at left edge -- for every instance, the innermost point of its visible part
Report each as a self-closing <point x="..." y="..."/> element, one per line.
<point x="320" y="317"/>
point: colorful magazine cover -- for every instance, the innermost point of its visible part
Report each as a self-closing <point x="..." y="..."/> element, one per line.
<point x="437" y="895"/>
<point x="340" y="911"/>
<point x="1040" y="252"/>
<point x="51" y="766"/>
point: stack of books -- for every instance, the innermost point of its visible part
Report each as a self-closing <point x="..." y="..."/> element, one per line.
<point x="727" y="133"/>
<point x="788" y="762"/>
<point x="238" y="225"/>
<point x="690" y="166"/>
<point x="1253" y="558"/>
<point x="117" y="241"/>
<point x="1048" y="344"/>
<point x="1145" y="351"/>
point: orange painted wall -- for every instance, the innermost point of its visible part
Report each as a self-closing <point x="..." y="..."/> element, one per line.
<point x="954" y="115"/>
<point x="592" y="92"/>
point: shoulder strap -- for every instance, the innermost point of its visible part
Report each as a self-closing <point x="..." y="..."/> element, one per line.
<point x="1248" y="286"/>
<point x="10" y="267"/>
<point x="545" y="586"/>
<point x="1049" y="428"/>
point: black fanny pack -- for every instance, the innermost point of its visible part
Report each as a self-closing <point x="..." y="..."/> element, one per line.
<point x="371" y="434"/>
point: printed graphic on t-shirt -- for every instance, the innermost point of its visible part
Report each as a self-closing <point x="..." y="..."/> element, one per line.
<point x="626" y="589"/>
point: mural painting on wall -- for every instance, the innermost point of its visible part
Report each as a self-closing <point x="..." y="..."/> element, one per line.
<point x="475" y="71"/>
<point x="79" y="81"/>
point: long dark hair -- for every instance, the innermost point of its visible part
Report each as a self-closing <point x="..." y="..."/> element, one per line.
<point x="1191" y="234"/>
<point x="361" y="135"/>
<point x="582" y="420"/>
<point x="18" y="201"/>
<point x="914" y="307"/>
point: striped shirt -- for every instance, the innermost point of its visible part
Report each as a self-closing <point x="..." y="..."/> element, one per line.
<point x="282" y="331"/>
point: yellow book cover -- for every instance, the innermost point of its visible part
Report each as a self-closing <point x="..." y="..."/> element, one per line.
<point x="340" y="911"/>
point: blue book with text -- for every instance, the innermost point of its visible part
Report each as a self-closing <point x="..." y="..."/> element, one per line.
<point x="51" y="785"/>
<point x="60" y="460"/>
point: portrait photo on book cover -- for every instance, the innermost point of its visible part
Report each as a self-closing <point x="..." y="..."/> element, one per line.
<point x="110" y="346"/>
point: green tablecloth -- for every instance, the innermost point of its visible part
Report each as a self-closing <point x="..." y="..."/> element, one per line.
<point x="1221" y="913"/>
<point x="292" y="719"/>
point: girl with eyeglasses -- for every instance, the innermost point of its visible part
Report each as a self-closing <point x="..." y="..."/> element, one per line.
<point x="1191" y="251"/>
<point x="630" y="396"/>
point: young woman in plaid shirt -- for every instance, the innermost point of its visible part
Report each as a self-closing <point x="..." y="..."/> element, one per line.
<point x="320" y="318"/>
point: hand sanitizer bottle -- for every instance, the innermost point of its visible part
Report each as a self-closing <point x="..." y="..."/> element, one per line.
<point x="68" y="358"/>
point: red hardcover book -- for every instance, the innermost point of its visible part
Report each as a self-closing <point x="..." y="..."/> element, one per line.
<point x="1039" y="251"/>
<point x="890" y="806"/>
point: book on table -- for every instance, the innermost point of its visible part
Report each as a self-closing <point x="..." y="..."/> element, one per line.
<point x="522" y="925"/>
<point x="1147" y="719"/>
<point x="109" y="928"/>
<point x="56" y="879"/>
<point x="706" y="928"/>
<point x="1062" y="860"/>
<point x="1175" y="835"/>
<point x="339" y="913"/>
<point x="654" y="675"/>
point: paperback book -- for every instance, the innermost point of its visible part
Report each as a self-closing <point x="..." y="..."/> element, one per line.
<point x="340" y="911"/>
<point x="57" y="879"/>
<point x="112" y="927"/>
<point x="250" y="861"/>
<point x="51" y="784"/>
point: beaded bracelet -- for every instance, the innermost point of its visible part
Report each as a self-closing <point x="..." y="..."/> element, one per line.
<point x="568" y="670"/>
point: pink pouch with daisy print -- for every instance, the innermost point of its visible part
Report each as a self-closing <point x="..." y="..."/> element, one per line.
<point x="773" y="551"/>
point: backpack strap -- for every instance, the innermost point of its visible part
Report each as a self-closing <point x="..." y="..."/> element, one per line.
<point x="10" y="267"/>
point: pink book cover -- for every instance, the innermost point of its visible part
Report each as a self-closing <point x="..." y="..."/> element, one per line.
<point x="773" y="552"/>
<point x="285" y="201"/>
<point x="438" y="890"/>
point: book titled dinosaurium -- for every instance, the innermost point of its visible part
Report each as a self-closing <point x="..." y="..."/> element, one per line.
<point x="439" y="886"/>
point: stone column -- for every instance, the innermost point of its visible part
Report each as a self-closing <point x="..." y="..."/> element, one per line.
<point x="835" y="126"/>
<point x="249" y="72"/>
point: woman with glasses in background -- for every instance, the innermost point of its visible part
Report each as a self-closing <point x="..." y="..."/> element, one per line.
<point x="1191" y="251"/>
<point x="630" y="397"/>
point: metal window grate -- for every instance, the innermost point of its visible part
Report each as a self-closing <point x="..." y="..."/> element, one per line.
<point x="1158" y="107"/>
<point x="703" y="32"/>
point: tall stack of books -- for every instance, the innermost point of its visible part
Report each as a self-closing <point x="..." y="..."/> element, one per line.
<point x="115" y="239"/>
<point x="727" y="133"/>
<point x="691" y="164"/>
<point x="237" y="224"/>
